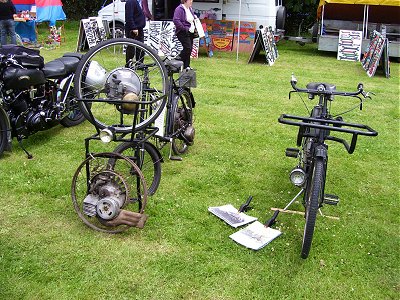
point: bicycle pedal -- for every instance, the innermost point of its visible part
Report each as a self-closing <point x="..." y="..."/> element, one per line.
<point x="331" y="199"/>
<point x="292" y="152"/>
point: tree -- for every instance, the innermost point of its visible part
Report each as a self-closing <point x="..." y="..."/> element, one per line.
<point x="301" y="15"/>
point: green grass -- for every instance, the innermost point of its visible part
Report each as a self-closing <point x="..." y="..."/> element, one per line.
<point x="184" y="252"/>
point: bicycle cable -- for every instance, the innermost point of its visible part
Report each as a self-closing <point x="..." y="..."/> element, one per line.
<point x="353" y="108"/>
<point x="305" y="105"/>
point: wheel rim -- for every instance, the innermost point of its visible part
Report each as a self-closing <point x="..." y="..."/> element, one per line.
<point x="103" y="74"/>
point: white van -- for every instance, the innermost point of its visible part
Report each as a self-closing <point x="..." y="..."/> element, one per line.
<point x="263" y="12"/>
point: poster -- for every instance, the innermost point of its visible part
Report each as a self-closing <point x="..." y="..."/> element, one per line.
<point x="349" y="45"/>
<point x="220" y="33"/>
<point x="246" y="37"/>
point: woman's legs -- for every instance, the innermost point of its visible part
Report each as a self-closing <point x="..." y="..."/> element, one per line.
<point x="187" y="43"/>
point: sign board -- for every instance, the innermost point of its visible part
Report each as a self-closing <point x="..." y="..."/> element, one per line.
<point x="372" y="56"/>
<point x="349" y="45"/>
<point x="271" y="52"/>
<point x="160" y="36"/>
<point x="246" y="37"/>
<point x="91" y="32"/>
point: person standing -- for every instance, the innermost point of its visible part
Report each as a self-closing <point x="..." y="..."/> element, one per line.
<point x="146" y="10"/>
<point x="7" y="24"/>
<point x="184" y="29"/>
<point x="135" y="21"/>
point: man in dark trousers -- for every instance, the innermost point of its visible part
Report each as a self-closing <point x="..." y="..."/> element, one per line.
<point x="135" y="21"/>
<point x="7" y="26"/>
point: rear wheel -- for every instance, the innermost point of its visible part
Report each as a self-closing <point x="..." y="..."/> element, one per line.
<point x="313" y="196"/>
<point x="119" y="31"/>
<point x="149" y="162"/>
<point x="74" y="116"/>
<point x="3" y="134"/>
<point x="183" y="119"/>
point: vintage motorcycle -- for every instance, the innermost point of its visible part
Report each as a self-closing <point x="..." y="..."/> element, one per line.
<point x="35" y="96"/>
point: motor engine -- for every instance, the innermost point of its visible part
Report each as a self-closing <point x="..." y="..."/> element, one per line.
<point x="33" y="109"/>
<point x="107" y="195"/>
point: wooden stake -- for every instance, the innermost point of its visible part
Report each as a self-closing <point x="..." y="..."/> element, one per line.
<point x="300" y="213"/>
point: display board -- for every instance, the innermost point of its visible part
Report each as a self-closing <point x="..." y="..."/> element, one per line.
<point x="271" y="51"/>
<point x="265" y="40"/>
<point x="246" y="37"/>
<point x="349" y="45"/>
<point x="372" y="56"/>
<point x="91" y="32"/>
<point x="220" y="33"/>
<point x="160" y="36"/>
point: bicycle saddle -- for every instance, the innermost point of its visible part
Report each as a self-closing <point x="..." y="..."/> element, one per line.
<point x="174" y="65"/>
<point x="315" y="85"/>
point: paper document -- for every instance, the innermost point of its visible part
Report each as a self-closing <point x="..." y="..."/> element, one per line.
<point x="231" y="215"/>
<point x="255" y="236"/>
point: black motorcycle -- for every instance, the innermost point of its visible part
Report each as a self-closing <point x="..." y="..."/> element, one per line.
<point x="35" y="96"/>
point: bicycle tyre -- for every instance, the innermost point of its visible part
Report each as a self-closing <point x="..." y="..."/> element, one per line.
<point x="103" y="74"/>
<point x="183" y="117"/>
<point x="74" y="116"/>
<point x="3" y="134"/>
<point x="152" y="175"/>
<point x="314" y="194"/>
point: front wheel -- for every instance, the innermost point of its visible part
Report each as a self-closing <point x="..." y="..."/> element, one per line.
<point x="183" y="119"/>
<point x="115" y="93"/>
<point x="314" y="195"/>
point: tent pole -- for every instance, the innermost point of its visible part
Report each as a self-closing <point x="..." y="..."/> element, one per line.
<point x="238" y="32"/>
<point x="113" y="19"/>
<point x="322" y="19"/>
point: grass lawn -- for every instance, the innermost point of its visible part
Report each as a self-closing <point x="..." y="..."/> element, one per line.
<point x="184" y="252"/>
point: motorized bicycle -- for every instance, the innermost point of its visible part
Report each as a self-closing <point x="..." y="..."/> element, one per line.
<point x="131" y="103"/>
<point x="35" y="96"/>
<point x="310" y="173"/>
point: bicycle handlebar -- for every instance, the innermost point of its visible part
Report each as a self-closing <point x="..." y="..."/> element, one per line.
<point x="322" y="91"/>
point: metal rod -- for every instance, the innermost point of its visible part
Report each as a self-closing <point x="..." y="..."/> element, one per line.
<point x="295" y="197"/>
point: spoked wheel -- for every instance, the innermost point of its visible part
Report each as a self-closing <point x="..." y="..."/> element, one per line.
<point x="147" y="158"/>
<point x="109" y="198"/>
<point x="183" y="124"/>
<point x="313" y="196"/>
<point x="103" y="79"/>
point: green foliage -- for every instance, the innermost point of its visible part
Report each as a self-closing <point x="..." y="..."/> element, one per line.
<point x="184" y="252"/>
<point x="80" y="9"/>
<point x="301" y="15"/>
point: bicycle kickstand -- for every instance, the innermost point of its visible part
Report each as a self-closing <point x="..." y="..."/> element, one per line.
<point x="272" y="220"/>
<point x="173" y="157"/>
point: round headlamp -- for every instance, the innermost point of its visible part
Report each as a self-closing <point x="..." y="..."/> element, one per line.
<point x="298" y="176"/>
<point x="106" y="135"/>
